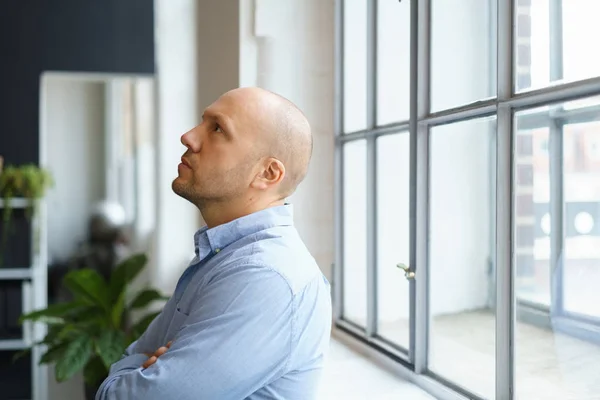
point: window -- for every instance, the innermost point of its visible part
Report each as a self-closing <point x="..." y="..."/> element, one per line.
<point x="469" y="192"/>
<point x="393" y="237"/>
<point x="460" y="250"/>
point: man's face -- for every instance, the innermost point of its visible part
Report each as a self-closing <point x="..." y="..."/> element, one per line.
<point x="221" y="155"/>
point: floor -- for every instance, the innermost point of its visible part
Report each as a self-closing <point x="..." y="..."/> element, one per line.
<point x="548" y="365"/>
<point x="350" y="376"/>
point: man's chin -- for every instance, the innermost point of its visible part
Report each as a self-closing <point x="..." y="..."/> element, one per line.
<point x="184" y="190"/>
<point x="179" y="187"/>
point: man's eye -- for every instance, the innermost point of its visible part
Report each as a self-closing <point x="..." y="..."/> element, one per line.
<point x="218" y="128"/>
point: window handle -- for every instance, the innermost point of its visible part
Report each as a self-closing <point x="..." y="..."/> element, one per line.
<point x="408" y="274"/>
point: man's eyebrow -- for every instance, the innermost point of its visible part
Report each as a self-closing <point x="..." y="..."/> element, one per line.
<point x="217" y="116"/>
<point x="212" y="115"/>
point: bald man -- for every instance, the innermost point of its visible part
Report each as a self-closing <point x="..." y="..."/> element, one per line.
<point x="251" y="316"/>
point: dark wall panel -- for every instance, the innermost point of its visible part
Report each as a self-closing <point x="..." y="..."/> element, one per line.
<point x="108" y="36"/>
<point x="99" y="36"/>
<point x="20" y="65"/>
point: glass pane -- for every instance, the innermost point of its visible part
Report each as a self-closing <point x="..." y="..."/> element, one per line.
<point x="581" y="193"/>
<point x="355" y="65"/>
<point x="393" y="237"/>
<point x="463" y="68"/>
<point x="557" y="340"/>
<point x="461" y="238"/>
<point x="540" y="43"/>
<point x="532" y="220"/>
<point x="355" y="232"/>
<point x="393" y="61"/>
<point x="11" y="307"/>
<point x="15" y="375"/>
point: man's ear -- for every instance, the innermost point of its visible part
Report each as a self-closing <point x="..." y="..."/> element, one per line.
<point x="271" y="174"/>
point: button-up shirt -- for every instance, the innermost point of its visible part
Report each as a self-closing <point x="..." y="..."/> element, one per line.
<point x="250" y="318"/>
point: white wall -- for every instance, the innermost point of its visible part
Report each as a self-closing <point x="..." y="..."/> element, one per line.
<point x="75" y="142"/>
<point x="145" y="171"/>
<point x="177" y="111"/>
<point x="288" y="47"/>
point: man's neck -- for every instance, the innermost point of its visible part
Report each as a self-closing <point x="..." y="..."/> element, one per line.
<point x="215" y="214"/>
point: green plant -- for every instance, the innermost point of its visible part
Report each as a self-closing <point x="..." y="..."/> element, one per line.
<point x="28" y="181"/>
<point x="93" y="330"/>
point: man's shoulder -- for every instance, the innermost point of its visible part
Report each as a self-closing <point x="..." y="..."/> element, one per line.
<point x="282" y="253"/>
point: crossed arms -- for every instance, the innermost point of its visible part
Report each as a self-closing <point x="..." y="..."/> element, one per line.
<point x="236" y="339"/>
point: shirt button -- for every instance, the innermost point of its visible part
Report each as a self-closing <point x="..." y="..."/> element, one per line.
<point x="217" y="250"/>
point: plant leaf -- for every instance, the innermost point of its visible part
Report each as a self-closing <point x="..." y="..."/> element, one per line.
<point x="75" y="357"/>
<point x="126" y="272"/>
<point x="58" y="333"/>
<point x="110" y="346"/>
<point x="146" y="297"/>
<point x="94" y="372"/>
<point x="52" y="311"/>
<point x="117" y="310"/>
<point x="89" y="286"/>
<point x="17" y="356"/>
<point x="50" y="320"/>
<point x="140" y="327"/>
<point x="54" y="353"/>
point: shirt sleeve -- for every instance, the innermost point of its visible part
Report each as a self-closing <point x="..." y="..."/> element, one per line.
<point x="132" y="355"/>
<point x="236" y="339"/>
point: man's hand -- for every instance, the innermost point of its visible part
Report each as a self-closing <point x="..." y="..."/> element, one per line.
<point x="153" y="357"/>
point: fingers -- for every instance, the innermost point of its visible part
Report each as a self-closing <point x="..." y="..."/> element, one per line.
<point x="149" y="362"/>
<point x="161" y="351"/>
<point x="153" y="357"/>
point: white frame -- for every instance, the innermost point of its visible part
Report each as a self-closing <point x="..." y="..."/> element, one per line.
<point x="39" y="283"/>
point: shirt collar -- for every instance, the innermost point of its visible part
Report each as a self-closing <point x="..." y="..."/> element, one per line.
<point x="215" y="239"/>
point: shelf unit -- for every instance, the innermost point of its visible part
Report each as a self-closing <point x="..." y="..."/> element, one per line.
<point x="32" y="280"/>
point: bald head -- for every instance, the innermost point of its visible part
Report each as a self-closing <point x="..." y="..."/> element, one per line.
<point x="251" y="151"/>
<point x="283" y="132"/>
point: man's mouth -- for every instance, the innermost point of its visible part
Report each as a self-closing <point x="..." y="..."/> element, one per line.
<point x="185" y="162"/>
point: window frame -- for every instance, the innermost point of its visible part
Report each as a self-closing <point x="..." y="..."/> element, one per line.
<point x="504" y="105"/>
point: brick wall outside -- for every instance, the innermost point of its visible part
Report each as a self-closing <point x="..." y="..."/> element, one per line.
<point x="523" y="157"/>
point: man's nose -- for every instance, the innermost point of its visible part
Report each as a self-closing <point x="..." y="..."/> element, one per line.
<point x="192" y="140"/>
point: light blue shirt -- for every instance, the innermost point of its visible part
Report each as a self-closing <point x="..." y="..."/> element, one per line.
<point x="250" y="319"/>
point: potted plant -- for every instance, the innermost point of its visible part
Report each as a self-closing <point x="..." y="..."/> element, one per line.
<point x="27" y="181"/>
<point x="93" y="330"/>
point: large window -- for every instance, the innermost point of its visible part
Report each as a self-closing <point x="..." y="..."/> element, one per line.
<point x="468" y="192"/>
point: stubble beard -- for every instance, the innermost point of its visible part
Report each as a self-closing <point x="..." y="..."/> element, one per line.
<point x="183" y="190"/>
<point x="220" y="188"/>
<point x="206" y="197"/>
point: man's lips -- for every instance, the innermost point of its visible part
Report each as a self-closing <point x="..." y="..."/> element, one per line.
<point x="185" y="162"/>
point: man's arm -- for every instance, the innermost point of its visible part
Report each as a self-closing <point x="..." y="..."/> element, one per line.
<point x="139" y="348"/>
<point x="236" y="339"/>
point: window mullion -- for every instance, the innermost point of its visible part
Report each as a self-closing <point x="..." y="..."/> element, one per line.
<point x="371" y="328"/>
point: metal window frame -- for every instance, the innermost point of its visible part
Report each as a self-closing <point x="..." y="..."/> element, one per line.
<point x="371" y="325"/>
<point x="421" y="120"/>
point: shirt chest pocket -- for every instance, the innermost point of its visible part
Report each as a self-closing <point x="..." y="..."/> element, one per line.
<point x="177" y="322"/>
<point x="182" y="309"/>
